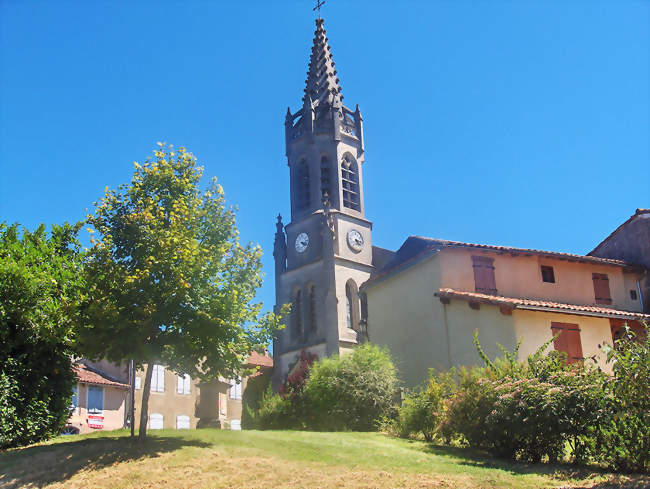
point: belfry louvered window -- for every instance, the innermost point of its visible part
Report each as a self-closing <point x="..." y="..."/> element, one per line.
<point x="302" y="185"/>
<point x="350" y="181"/>
<point x="325" y="183"/>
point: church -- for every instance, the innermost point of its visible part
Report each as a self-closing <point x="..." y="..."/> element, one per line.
<point x="424" y="301"/>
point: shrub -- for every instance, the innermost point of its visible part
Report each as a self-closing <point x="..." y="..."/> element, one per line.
<point x="624" y="438"/>
<point x="422" y="410"/>
<point x="256" y="386"/>
<point x="528" y="411"/>
<point x="39" y="293"/>
<point x="274" y="413"/>
<point x="351" y="392"/>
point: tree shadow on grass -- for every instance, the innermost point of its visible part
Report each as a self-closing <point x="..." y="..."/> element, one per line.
<point x="39" y="465"/>
<point x="563" y="471"/>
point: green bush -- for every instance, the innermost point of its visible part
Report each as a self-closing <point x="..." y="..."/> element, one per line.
<point x="256" y="386"/>
<point x="624" y="438"/>
<point x="351" y="392"/>
<point x="528" y="411"/>
<point x="39" y="290"/>
<point x="423" y="409"/>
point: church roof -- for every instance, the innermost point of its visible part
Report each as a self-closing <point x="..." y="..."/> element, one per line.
<point x="540" y="305"/>
<point x="416" y="248"/>
<point x="322" y="84"/>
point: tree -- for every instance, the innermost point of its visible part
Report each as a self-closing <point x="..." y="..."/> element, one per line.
<point x="168" y="280"/>
<point x="40" y="284"/>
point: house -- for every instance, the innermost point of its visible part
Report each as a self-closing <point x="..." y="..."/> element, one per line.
<point x="99" y="401"/>
<point x="183" y="402"/>
<point x="425" y="304"/>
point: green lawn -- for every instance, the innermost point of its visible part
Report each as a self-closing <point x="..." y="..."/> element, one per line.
<point x="213" y="458"/>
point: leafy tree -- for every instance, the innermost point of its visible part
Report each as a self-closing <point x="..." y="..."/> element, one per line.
<point x="40" y="283"/>
<point x="168" y="280"/>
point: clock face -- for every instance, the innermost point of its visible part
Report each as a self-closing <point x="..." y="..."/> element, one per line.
<point x="355" y="240"/>
<point x="302" y="242"/>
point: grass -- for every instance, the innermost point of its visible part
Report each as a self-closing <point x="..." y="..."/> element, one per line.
<point x="213" y="458"/>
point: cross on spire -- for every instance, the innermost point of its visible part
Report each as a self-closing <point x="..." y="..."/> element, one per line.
<point x="319" y="4"/>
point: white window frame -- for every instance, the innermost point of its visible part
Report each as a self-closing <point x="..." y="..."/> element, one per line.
<point x="235" y="389"/>
<point x="183" y="383"/>
<point x="188" y="421"/>
<point x="235" y="424"/>
<point x="158" y="373"/>
<point x="74" y="407"/>
<point x="162" y="421"/>
<point x="138" y="383"/>
<point x="88" y="396"/>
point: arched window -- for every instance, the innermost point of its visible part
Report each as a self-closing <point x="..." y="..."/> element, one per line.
<point x="350" y="181"/>
<point x="296" y="314"/>
<point x="312" y="308"/>
<point x="325" y="184"/>
<point x="351" y="305"/>
<point x="302" y="185"/>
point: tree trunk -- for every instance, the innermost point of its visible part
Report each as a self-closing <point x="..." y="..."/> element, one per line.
<point x="144" y="409"/>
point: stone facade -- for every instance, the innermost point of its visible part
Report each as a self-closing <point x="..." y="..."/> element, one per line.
<point x="325" y="253"/>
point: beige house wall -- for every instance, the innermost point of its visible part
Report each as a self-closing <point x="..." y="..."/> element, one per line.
<point x="404" y="316"/>
<point x="169" y="403"/>
<point x="114" y="409"/>
<point x="520" y="276"/>
<point x="494" y="328"/>
<point x="533" y="328"/>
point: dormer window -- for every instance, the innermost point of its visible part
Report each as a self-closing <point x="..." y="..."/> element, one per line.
<point x="350" y="181"/>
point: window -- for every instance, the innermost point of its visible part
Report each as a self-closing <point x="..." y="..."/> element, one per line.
<point x="95" y="399"/>
<point x="235" y="424"/>
<point x="351" y="305"/>
<point x="325" y="186"/>
<point x="183" y="384"/>
<point x="350" y="181"/>
<point x="484" y="275"/>
<point x="601" y="288"/>
<point x="158" y="379"/>
<point x="312" y="308"/>
<point x="568" y="340"/>
<point x="182" y="422"/>
<point x="302" y="185"/>
<point x="296" y="314"/>
<point x="74" y="403"/>
<point x="548" y="275"/>
<point x="155" y="421"/>
<point x="633" y="295"/>
<point x="138" y="383"/>
<point x="235" y="388"/>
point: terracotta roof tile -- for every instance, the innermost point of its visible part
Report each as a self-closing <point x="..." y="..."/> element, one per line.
<point x="534" y="304"/>
<point x="88" y="375"/>
<point x="261" y="360"/>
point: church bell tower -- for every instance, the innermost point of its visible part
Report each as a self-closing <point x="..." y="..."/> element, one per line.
<point x="324" y="254"/>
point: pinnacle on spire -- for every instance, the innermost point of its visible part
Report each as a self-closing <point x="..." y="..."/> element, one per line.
<point x="322" y="85"/>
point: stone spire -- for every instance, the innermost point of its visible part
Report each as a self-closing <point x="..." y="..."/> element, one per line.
<point x="322" y="88"/>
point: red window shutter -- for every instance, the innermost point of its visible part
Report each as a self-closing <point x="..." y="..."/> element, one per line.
<point x="601" y="288"/>
<point x="568" y="341"/>
<point x="484" y="280"/>
<point x="574" y="352"/>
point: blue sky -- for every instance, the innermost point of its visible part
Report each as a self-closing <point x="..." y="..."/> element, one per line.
<point x="522" y="123"/>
